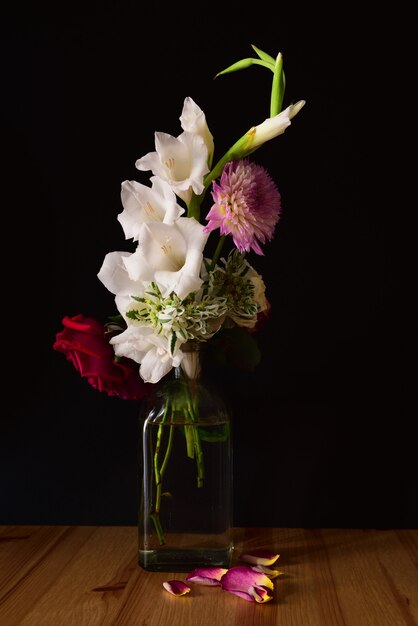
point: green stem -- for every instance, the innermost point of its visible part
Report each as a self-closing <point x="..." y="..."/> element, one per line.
<point x="199" y="457"/>
<point x="159" y="472"/>
<point x="241" y="148"/>
<point x="196" y="437"/>
<point x="217" y="252"/>
<point x="188" y="432"/>
<point x="158" y="528"/>
<point x="277" y="87"/>
<point x="158" y="445"/>
<point x="194" y="449"/>
<point x="162" y="470"/>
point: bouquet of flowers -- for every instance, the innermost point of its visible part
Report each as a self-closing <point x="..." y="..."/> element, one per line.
<point x="169" y="291"/>
<point x="176" y="291"/>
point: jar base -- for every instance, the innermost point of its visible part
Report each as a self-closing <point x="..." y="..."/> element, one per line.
<point x="184" y="560"/>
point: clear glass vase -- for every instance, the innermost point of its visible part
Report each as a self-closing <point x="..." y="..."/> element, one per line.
<point x="185" y="460"/>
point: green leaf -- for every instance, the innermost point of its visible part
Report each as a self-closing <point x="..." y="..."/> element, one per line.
<point x="235" y="347"/>
<point x="208" y="435"/>
<point x="117" y="319"/>
<point x="173" y="342"/>
<point x="243" y="64"/>
<point x="263" y="55"/>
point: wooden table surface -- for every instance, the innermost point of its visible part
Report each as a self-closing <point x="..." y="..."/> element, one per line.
<point x="88" y="575"/>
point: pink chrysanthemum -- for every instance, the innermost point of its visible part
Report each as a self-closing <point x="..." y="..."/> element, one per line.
<point x="247" y="205"/>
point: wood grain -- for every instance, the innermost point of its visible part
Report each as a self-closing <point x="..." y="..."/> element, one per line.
<point x="88" y="576"/>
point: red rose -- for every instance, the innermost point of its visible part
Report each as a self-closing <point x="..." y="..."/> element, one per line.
<point x="84" y="344"/>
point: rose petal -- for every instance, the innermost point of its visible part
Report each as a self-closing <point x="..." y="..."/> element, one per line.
<point x="254" y="593"/>
<point x="176" y="587"/>
<point x="241" y="594"/>
<point x="243" y="577"/>
<point x="260" y="557"/>
<point x="209" y="576"/>
<point x="268" y="571"/>
<point x="260" y="594"/>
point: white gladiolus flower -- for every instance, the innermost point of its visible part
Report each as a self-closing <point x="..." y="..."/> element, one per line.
<point x="181" y="161"/>
<point x="170" y="254"/>
<point x="187" y="277"/>
<point x="147" y="204"/>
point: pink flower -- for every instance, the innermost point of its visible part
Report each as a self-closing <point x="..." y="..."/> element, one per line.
<point x="83" y="343"/>
<point x="247" y="205"/>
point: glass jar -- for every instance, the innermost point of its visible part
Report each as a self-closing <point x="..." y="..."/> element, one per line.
<point x="185" y="460"/>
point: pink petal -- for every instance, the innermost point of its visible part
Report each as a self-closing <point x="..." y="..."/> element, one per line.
<point x="260" y="557"/>
<point x="242" y="577"/>
<point x="271" y="573"/>
<point x="256" y="594"/>
<point x="260" y="594"/>
<point x="206" y="575"/>
<point x="241" y="594"/>
<point x="176" y="587"/>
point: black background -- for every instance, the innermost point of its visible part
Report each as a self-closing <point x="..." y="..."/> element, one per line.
<point x="324" y="428"/>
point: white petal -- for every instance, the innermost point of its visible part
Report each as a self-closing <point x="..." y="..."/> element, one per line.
<point x="147" y="204"/>
<point x="198" y="165"/>
<point x="181" y="282"/>
<point x="168" y="199"/>
<point x="193" y="232"/>
<point x="151" y="161"/>
<point x="274" y="126"/>
<point x="181" y="161"/>
<point x="113" y="274"/>
<point x="134" y="344"/>
<point x="259" y="290"/>
<point x="160" y="246"/>
<point x="194" y="120"/>
<point x="131" y="343"/>
<point x="171" y="161"/>
<point x="295" y="108"/>
<point x="153" y="367"/>
<point x="123" y="301"/>
<point x="157" y="361"/>
<point x="139" y="206"/>
<point x="187" y="278"/>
